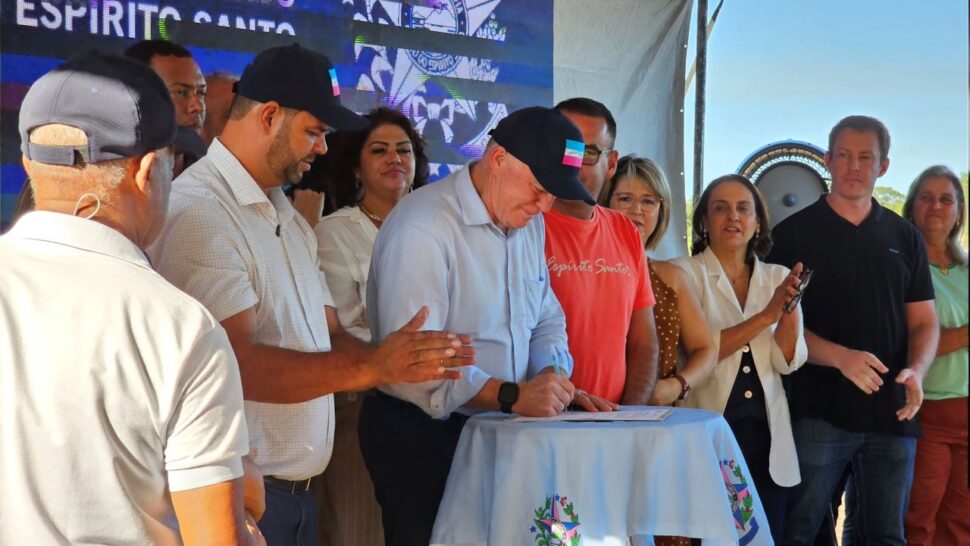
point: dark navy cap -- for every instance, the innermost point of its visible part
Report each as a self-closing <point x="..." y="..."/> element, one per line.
<point x="301" y="79"/>
<point x="121" y="105"/>
<point x="550" y="145"/>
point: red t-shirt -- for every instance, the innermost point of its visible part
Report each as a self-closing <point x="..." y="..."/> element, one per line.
<point x="598" y="271"/>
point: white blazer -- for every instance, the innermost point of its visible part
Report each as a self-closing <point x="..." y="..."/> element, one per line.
<point x="720" y="306"/>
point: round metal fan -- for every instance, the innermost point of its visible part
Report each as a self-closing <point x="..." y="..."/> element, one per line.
<point x="790" y="174"/>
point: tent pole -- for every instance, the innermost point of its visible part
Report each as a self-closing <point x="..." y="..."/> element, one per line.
<point x="699" y="96"/>
<point x="693" y="65"/>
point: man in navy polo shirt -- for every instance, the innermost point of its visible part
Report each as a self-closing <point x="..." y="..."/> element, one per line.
<point x="872" y="333"/>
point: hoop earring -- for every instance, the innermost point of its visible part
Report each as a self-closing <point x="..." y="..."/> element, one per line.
<point x="359" y="191"/>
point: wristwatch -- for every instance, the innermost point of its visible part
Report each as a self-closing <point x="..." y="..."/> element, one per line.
<point x="684" y="387"/>
<point x="508" y="395"/>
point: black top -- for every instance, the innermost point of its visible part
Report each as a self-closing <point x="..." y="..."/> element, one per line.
<point x="747" y="399"/>
<point x="864" y="276"/>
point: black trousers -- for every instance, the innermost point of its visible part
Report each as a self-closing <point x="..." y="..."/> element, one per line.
<point x="408" y="455"/>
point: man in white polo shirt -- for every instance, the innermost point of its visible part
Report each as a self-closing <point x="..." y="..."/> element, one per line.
<point x="234" y="242"/>
<point x="121" y="412"/>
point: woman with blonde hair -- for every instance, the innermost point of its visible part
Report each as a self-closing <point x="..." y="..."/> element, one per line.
<point x="639" y="190"/>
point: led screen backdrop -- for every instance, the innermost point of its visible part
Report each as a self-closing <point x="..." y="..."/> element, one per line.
<point x="455" y="67"/>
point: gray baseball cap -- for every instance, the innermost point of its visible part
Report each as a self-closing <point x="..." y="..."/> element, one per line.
<point x="121" y="105"/>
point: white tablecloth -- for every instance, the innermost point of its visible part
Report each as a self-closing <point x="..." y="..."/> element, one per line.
<point x="596" y="483"/>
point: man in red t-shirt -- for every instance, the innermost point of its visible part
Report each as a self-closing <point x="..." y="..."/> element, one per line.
<point x="598" y="272"/>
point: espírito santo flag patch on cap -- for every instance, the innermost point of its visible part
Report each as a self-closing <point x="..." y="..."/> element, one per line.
<point x="333" y="82"/>
<point x="573" y="155"/>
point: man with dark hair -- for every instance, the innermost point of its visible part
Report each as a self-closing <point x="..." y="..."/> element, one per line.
<point x="598" y="271"/>
<point x="121" y="411"/>
<point x="594" y="109"/>
<point x="182" y="76"/>
<point x="146" y="50"/>
<point x="235" y="243"/>
<point x="871" y="331"/>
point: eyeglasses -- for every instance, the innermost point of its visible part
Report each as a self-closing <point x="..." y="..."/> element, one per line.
<point x="592" y="154"/>
<point x="627" y="202"/>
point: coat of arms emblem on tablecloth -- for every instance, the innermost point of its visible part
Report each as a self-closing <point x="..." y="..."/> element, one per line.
<point x="742" y="503"/>
<point x="556" y="523"/>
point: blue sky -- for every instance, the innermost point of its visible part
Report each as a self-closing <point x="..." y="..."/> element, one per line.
<point x="790" y="69"/>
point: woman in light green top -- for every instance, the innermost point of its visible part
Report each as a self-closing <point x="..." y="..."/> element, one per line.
<point x="939" y="499"/>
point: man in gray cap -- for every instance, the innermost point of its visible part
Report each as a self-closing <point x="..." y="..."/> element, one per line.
<point x="121" y="412"/>
<point x="472" y="247"/>
<point x="235" y="243"/>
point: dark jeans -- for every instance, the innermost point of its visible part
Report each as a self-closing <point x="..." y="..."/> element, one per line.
<point x="826" y="534"/>
<point x="408" y="455"/>
<point x="289" y="520"/>
<point x="754" y="439"/>
<point x="882" y="472"/>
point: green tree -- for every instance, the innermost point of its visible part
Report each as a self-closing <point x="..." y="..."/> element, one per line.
<point x="889" y="198"/>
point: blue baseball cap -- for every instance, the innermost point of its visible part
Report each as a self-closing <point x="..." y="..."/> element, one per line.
<point x="298" y="78"/>
<point x="550" y="145"/>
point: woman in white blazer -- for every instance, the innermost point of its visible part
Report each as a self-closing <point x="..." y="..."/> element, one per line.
<point x="757" y="342"/>
<point x="376" y="168"/>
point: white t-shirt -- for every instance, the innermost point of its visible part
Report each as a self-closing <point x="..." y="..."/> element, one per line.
<point x="115" y="388"/>
<point x="232" y="247"/>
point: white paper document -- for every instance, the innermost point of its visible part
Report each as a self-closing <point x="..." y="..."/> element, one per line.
<point x="656" y="414"/>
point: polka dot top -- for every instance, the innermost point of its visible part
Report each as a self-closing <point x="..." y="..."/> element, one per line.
<point x="668" y="324"/>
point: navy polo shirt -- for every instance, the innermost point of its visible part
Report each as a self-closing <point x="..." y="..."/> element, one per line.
<point x="864" y="277"/>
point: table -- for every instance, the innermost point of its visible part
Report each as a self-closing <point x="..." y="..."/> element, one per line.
<point x="596" y="483"/>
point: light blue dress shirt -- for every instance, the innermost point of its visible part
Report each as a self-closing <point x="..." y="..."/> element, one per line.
<point x="440" y="248"/>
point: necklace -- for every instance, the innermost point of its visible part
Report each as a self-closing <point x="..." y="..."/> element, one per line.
<point x="944" y="269"/>
<point x="377" y="219"/>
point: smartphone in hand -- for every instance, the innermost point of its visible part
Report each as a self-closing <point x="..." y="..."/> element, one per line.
<point x="803" y="281"/>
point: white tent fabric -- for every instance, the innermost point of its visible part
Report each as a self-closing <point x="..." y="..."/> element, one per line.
<point x="631" y="56"/>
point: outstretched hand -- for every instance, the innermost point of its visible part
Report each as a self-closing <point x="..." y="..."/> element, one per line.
<point x="410" y="355"/>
